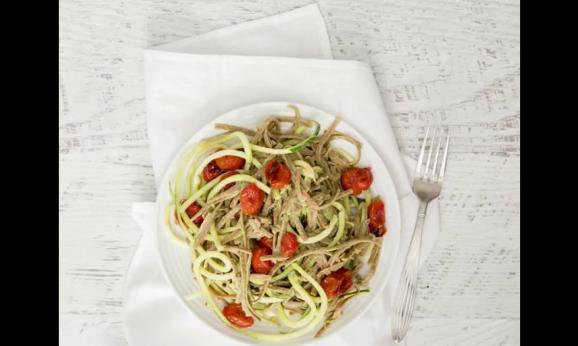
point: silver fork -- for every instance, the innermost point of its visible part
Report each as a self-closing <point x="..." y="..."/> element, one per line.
<point x="427" y="185"/>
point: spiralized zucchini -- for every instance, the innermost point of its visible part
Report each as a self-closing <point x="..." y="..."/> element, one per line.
<point x="330" y="225"/>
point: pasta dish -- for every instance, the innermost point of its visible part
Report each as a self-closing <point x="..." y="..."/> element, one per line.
<point x="281" y="224"/>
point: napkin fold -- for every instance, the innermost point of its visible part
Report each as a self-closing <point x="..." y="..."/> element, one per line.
<point x="286" y="57"/>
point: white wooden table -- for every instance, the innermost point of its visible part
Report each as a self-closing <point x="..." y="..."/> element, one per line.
<point x="452" y="62"/>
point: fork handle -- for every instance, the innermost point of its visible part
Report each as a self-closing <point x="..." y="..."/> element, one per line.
<point x="404" y="303"/>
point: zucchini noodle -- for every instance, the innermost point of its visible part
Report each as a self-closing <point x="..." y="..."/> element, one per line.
<point x="170" y="210"/>
<point x="321" y="235"/>
<point x="328" y="223"/>
<point x="238" y="178"/>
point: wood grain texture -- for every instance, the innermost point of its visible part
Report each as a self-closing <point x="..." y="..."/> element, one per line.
<point x="451" y="62"/>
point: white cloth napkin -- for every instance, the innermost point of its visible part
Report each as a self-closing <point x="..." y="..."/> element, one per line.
<point x="281" y="58"/>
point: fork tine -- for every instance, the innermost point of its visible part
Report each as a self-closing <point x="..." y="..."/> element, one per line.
<point x="421" y="153"/>
<point x="445" y="159"/>
<point x="434" y="175"/>
<point x="427" y="166"/>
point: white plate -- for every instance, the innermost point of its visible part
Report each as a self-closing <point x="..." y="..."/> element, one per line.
<point x="175" y="258"/>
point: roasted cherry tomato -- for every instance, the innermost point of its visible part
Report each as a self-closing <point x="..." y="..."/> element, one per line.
<point x="376" y="214"/>
<point x="331" y="285"/>
<point x="235" y="314"/>
<point x="229" y="162"/>
<point x="356" y="179"/>
<point x="278" y="174"/>
<point x="260" y="266"/>
<point x="211" y="171"/>
<point x="289" y="245"/>
<point x="191" y="211"/>
<point x="266" y="242"/>
<point x="229" y="185"/>
<point x="337" y="282"/>
<point x="251" y="199"/>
